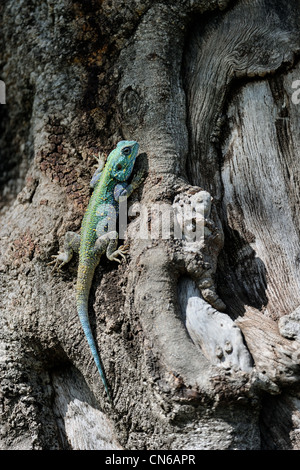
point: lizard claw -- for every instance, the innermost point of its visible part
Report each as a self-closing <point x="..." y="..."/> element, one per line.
<point x="57" y="262"/>
<point x="121" y="251"/>
<point x="138" y="179"/>
<point x="100" y="157"/>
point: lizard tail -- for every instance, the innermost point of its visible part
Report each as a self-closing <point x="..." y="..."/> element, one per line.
<point x="83" y="288"/>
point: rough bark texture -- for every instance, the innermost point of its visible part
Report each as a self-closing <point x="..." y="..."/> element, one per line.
<point x="199" y="340"/>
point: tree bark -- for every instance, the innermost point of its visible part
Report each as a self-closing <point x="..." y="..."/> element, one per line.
<point x="199" y="338"/>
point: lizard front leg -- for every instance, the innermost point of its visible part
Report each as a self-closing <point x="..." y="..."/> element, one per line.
<point x="125" y="190"/>
<point x="97" y="175"/>
<point x="71" y="244"/>
<point x="122" y="190"/>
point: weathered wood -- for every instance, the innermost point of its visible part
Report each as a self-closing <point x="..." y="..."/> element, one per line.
<point x="82" y="426"/>
<point x="217" y="336"/>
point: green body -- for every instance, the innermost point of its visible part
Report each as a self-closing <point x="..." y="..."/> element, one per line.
<point x="98" y="230"/>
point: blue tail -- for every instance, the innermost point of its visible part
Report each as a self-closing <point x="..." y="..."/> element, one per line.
<point x="82" y="309"/>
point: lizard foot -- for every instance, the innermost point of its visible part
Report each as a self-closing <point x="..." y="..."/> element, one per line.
<point x="59" y="261"/>
<point x="138" y="179"/>
<point x="121" y="251"/>
<point x="100" y="157"/>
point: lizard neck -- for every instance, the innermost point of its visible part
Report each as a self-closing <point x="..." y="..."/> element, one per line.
<point x="104" y="189"/>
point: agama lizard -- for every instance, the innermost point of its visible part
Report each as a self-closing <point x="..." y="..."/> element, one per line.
<point x="109" y="184"/>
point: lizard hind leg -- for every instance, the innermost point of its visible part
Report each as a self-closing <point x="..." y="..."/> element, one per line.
<point x="108" y="243"/>
<point x="71" y="245"/>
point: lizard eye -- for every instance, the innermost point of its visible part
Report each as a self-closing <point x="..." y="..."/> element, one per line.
<point x="119" y="166"/>
<point x="126" y="151"/>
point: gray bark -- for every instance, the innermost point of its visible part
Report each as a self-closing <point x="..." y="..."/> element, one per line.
<point x="199" y="339"/>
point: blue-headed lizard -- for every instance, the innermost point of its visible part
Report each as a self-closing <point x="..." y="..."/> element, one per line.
<point x="96" y="238"/>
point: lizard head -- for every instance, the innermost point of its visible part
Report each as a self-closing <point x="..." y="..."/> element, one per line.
<point x="121" y="160"/>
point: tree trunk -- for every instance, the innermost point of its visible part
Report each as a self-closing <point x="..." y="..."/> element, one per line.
<point x="199" y="338"/>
